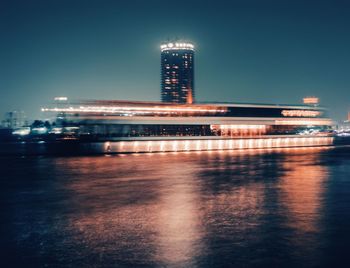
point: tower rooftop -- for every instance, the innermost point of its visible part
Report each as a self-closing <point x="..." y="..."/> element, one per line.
<point x="177" y="46"/>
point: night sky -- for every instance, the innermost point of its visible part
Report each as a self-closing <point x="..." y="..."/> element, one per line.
<point x="246" y="51"/>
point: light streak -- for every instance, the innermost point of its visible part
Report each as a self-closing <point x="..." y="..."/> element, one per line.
<point x="300" y="113"/>
<point x="204" y="145"/>
<point x="314" y="122"/>
<point x="131" y="109"/>
<point x="61" y="99"/>
<point x="21" y="131"/>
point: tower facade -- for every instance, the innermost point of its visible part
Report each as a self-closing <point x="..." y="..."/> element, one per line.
<point x="177" y="72"/>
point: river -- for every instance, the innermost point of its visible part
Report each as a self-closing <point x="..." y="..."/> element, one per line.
<point x="248" y="208"/>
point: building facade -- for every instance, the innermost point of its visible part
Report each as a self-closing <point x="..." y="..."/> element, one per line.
<point x="177" y="72"/>
<point x="131" y="126"/>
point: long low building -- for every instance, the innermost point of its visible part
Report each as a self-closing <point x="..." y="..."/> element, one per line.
<point x="130" y="126"/>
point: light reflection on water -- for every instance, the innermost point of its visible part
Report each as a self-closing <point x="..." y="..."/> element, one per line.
<point x="242" y="208"/>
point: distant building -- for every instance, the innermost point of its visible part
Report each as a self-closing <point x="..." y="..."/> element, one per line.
<point x="14" y="119"/>
<point x="344" y="126"/>
<point x="314" y="101"/>
<point x="177" y="72"/>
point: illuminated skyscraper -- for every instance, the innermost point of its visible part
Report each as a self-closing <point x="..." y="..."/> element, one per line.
<point x="177" y="72"/>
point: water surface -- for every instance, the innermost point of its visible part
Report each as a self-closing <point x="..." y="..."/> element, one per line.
<point x="253" y="208"/>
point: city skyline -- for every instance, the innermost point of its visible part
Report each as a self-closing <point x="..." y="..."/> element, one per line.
<point x="245" y="52"/>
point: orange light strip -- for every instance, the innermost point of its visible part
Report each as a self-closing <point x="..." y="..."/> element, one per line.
<point x="304" y="122"/>
<point x="206" y="145"/>
<point x="311" y="100"/>
<point x="300" y="113"/>
<point x="253" y="127"/>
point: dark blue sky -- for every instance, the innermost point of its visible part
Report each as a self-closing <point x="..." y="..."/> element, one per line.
<point x="247" y="51"/>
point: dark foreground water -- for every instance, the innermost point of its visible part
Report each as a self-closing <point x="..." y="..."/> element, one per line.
<point x="257" y="208"/>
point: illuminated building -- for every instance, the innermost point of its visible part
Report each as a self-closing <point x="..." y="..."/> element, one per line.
<point x="125" y="126"/>
<point x="177" y="72"/>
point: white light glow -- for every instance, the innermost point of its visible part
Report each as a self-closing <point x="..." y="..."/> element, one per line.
<point x="132" y="109"/>
<point x="22" y="131"/>
<point x="61" y="98"/>
<point x="172" y="46"/>
<point x="39" y="130"/>
<point x="56" y="130"/>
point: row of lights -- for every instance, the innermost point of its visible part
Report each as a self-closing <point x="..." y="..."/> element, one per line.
<point x="301" y="113"/>
<point x="253" y="127"/>
<point x="303" y="122"/>
<point x="177" y="46"/>
<point x="204" y="145"/>
<point x="117" y="109"/>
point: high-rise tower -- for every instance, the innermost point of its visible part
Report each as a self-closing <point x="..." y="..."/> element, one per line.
<point x="177" y="72"/>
